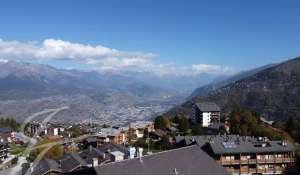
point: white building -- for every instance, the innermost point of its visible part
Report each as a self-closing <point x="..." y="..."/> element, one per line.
<point x="138" y="128"/>
<point x="117" y="156"/>
<point x="207" y="114"/>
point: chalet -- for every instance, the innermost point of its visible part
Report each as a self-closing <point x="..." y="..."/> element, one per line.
<point x="84" y="160"/>
<point x="112" y="135"/>
<point x="207" y="114"/>
<point x="67" y="164"/>
<point x="93" y="156"/>
<point x="46" y="167"/>
<point x="139" y="128"/>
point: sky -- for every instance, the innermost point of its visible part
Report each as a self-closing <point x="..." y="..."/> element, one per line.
<point x="165" y="37"/>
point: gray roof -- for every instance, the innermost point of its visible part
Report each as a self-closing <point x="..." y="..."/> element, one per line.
<point x="6" y="130"/>
<point x="208" y="107"/>
<point x="72" y="161"/>
<point x="91" y="153"/>
<point x="4" y="144"/>
<point x="45" y="166"/>
<point x="113" y="147"/>
<point x="91" y="139"/>
<point x="185" y="161"/>
<point x="238" y="144"/>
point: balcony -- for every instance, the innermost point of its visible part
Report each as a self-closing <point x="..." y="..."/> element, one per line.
<point x="228" y="162"/>
<point x="276" y="170"/>
<point x="248" y="170"/>
<point x="276" y="160"/>
<point x="255" y="161"/>
<point x="232" y="170"/>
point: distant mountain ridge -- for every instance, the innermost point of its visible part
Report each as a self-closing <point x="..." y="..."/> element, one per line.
<point x="34" y="81"/>
<point x="273" y="92"/>
<point x="26" y="88"/>
<point x="218" y="84"/>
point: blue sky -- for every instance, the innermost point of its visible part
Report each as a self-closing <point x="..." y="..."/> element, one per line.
<point x="180" y="34"/>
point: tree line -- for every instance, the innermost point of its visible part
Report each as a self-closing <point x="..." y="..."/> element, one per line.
<point x="246" y="123"/>
<point x="9" y="122"/>
<point x="184" y="125"/>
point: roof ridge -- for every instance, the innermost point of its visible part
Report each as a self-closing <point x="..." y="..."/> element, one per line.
<point x="155" y="154"/>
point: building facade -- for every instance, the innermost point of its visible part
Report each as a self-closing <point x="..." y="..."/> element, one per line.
<point x="246" y="155"/>
<point x="3" y="150"/>
<point x="139" y="128"/>
<point x="207" y="114"/>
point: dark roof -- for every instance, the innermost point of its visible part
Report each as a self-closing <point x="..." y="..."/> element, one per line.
<point x="72" y="161"/>
<point x="91" y="139"/>
<point x="185" y="161"/>
<point x="6" y="130"/>
<point x="208" y="107"/>
<point x="91" y="153"/>
<point x="45" y="166"/>
<point x="230" y="144"/>
<point x="4" y="144"/>
<point x="69" y="162"/>
<point x="113" y="147"/>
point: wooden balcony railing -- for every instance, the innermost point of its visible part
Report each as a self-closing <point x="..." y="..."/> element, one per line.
<point x="271" y="170"/>
<point x="255" y="161"/>
<point x="254" y="170"/>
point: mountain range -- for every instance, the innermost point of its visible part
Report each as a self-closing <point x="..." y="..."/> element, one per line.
<point x="26" y="88"/>
<point x="271" y="91"/>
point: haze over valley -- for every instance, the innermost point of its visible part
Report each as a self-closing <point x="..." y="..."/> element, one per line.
<point x="27" y="88"/>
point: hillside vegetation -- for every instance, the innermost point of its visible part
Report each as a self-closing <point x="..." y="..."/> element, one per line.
<point x="273" y="93"/>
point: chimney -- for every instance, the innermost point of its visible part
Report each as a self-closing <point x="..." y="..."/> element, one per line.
<point x="132" y="152"/>
<point x="175" y="171"/>
<point x="95" y="162"/>
<point x="140" y="153"/>
<point x="90" y="148"/>
<point x="284" y="143"/>
<point x="59" y="164"/>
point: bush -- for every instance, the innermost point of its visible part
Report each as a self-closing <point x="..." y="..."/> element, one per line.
<point x="14" y="161"/>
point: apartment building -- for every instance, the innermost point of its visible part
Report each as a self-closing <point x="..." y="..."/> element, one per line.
<point x="207" y="114"/>
<point x="244" y="154"/>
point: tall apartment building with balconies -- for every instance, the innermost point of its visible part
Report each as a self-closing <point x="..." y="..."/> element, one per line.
<point x="246" y="155"/>
<point x="207" y="114"/>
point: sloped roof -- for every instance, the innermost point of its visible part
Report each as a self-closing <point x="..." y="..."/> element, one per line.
<point x="6" y="130"/>
<point x="239" y="144"/>
<point x="46" y="166"/>
<point x="113" y="147"/>
<point x="184" y="161"/>
<point x="91" y="153"/>
<point x="249" y="147"/>
<point x="72" y="161"/>
<point x="208" y="107"/>
<point x="117" y="153"/>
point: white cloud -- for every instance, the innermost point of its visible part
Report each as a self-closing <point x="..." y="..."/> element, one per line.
<point x="212" y="69"/>
<point x="3" y="61"/>
<point x="99" y="57"/>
